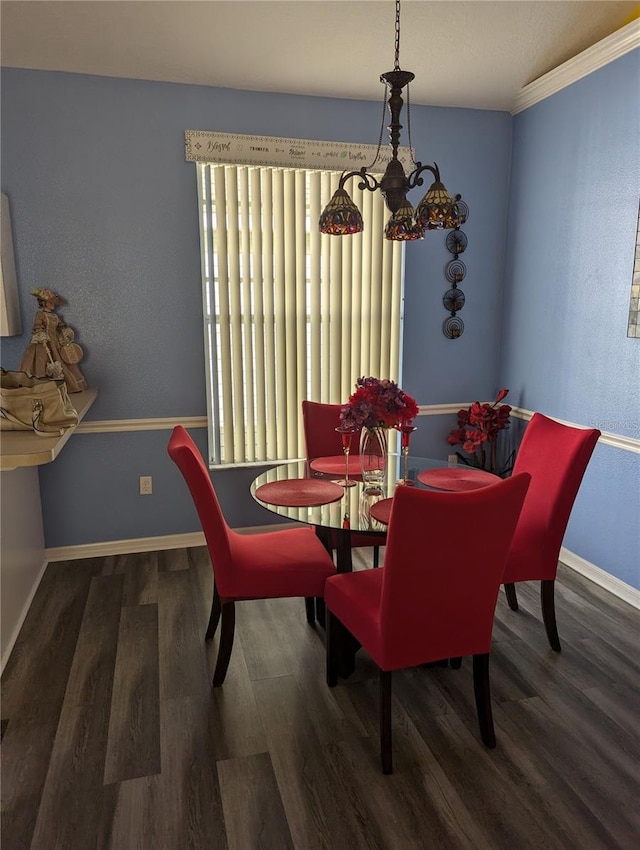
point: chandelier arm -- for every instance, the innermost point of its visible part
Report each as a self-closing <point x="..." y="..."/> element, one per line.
<point x="367" y="181"/>
<point x="414" y="179"/>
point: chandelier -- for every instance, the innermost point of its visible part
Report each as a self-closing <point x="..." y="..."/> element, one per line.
<point x="436" y="211"/>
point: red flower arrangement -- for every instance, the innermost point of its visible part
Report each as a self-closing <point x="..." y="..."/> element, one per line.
<point x="478" y="428"/>
<point x="378" y="404"/>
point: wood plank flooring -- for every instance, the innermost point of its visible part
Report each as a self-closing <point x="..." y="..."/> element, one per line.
<point x="113" y="738"/>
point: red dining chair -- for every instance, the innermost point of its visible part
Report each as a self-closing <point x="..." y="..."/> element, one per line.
<point x="556" y="456"/>
<point x="322" y="440"/>
<point x="436" y="595"/>
<point x="273" y="564"/>
<point x="406" y="613"/>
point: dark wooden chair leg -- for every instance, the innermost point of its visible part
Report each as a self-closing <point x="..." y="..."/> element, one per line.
<point x="347" y="652"/>
<point x="226" y="642"/>
<point x="547" y="597"/>
<point x="482" y="693"/>
<point x="386" y="751"/>
<point x="214" y="617"/>
<point x="310" y="606"/>
<point x="321" y="611"/>
<point x="333" y="626"/>
<point x="376" y="557"/>
<point x="512" y="599"/>
<point x="456" y="663"/>
<point x="341" y="650"/>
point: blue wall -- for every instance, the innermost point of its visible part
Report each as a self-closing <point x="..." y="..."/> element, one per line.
<point x="573" y="214"/>
<point x="104" y="211"/>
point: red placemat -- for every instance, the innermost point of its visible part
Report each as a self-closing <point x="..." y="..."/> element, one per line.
<point x="381" y="510"/>
<point x="299" y="492"/>
<point x="335" y="465"/>
<point x="457" y="479"/>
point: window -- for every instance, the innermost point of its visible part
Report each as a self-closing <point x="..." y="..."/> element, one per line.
<point x="289" y="314"/>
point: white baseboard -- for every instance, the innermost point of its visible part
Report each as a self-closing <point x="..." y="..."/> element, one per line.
<point x="178" y="541"/>
<point x="600" y="577"/>
<point x="147" y="544"/>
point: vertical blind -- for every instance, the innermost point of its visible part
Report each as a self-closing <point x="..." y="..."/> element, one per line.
<point x="290" y="314"/>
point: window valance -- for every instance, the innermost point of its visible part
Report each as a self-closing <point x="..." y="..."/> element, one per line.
<point x="234" y="149"/>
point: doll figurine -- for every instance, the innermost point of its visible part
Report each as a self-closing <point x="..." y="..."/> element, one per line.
<point x="52" y="352"/>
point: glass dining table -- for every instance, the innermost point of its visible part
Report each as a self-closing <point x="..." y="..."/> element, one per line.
<point x="352" y="509"/>
<point x="309" y="492"/>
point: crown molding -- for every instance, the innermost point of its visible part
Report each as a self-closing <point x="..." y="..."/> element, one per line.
<point x="610" y="48"/>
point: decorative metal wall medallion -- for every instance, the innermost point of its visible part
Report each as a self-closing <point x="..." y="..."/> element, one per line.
<point x="453" y="300"/>
<point x="456" y="242"/>
<point x="453" y="327"/>
<point x="455" y="270"/>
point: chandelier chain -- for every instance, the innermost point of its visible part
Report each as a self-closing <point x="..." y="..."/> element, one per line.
<point x="396" y="65"/>
<point x="384" y="110"/>
<point x="413" y="159"/>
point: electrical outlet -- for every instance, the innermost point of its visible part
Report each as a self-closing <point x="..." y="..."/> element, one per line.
<point x="452" y="459"/>
<point x="146" y="488"/>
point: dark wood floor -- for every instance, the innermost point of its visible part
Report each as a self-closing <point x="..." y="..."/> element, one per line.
<point x="113" y="737"/>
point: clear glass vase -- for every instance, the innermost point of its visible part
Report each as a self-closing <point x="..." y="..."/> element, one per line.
<point x="373" y="457"/>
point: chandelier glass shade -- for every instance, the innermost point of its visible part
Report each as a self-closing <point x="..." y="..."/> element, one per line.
<point x="402" y="226"/>
<point x="437" y="210"/>
<point x="341" y="216"/>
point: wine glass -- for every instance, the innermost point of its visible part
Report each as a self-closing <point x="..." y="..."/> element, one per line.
<point x="347" y="436"/>
<point x="405" y="432"/>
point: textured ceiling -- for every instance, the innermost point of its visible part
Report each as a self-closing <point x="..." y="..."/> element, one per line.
<point x="470" y="53"/>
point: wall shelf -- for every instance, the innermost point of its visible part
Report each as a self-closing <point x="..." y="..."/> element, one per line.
<point x="25" y="448"/>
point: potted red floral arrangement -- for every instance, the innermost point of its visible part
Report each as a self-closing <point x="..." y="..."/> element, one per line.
<point x="477" y="433"/>
<point x="376" y="405"/>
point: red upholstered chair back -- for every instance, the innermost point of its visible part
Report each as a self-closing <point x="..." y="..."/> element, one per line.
<point x="185" y="454"/>
<point x="556" y="456"/>
<point x="319" y="423"/>
<point x="443" y="568"/>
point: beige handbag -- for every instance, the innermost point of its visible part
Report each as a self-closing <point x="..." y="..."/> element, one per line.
<point x="41" y="405"/>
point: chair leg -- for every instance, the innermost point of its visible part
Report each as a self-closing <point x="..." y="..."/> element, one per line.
<point x="214" y="617"/>
<point x="386" y="752"/>
<point x="321" y="611"/>
<point x="310" y="605"/>
<point x="376" y="557"/>
<point x="547" y="597"/>
<point x="226" y="643"/>
<point x="512" y="599"/>
<point x="482" y="693"/>
<point x="456" y="663"/>
<point x="333" y="625"/>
